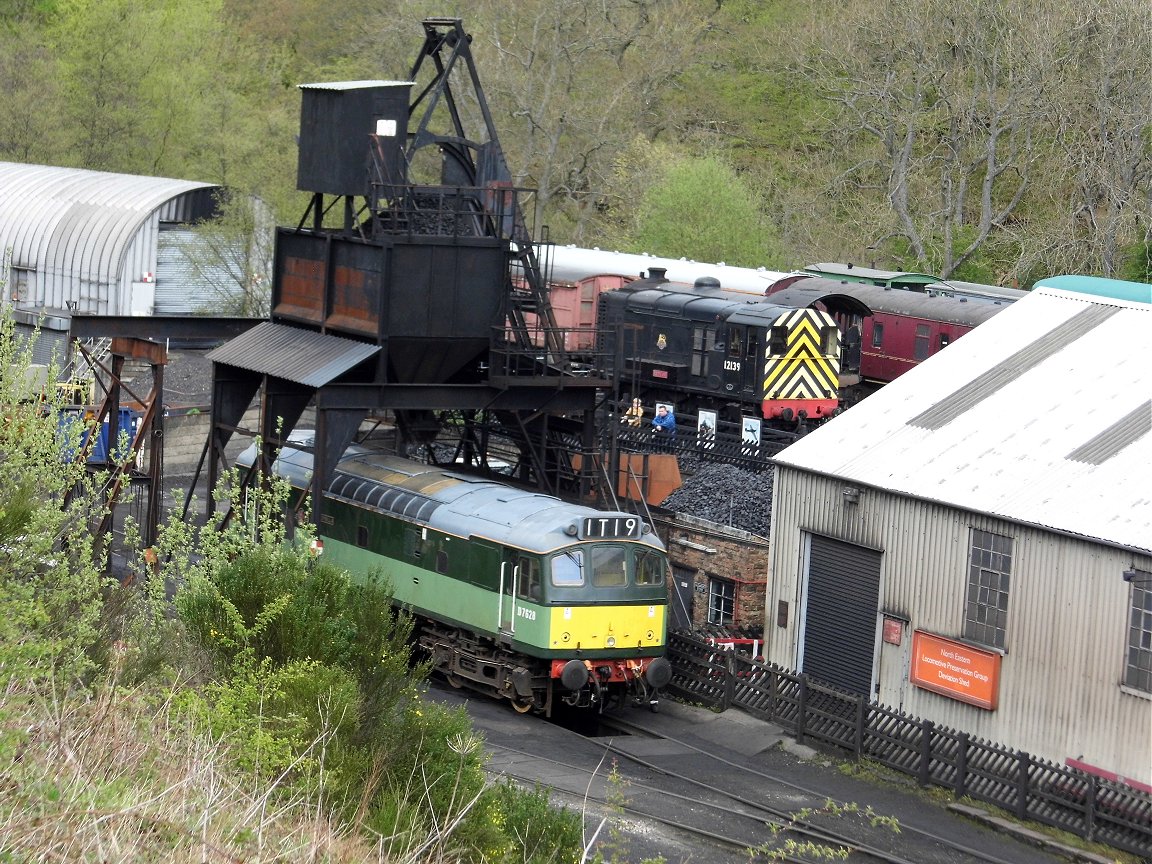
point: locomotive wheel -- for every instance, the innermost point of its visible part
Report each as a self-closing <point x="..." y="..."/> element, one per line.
<point x="523" y="707"/>
<point x="453" y="680"/>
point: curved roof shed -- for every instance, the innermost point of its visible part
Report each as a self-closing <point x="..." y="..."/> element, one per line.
<point x="85" y="239"/>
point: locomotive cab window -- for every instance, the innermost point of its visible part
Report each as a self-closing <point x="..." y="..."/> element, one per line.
<point x="778" y="341"/>
<point x="735" y="343"/>
<point x="650" y="568"/>
<point x="829" y="339"/>
<point x="528" y="578"/>
<point x="608" y="566"/>
<point x="568" y="569"/>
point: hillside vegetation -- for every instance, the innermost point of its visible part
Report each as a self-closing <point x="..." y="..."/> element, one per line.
<point x="227" y="698"/>
<point x="986" y="140"/>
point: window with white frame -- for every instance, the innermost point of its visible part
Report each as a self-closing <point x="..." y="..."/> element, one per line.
<point x="989" y="575"/>
<point x="721" y="601"/>
<point x="1138" y="663"/>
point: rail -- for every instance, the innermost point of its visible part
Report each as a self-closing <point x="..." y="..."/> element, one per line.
<point x="1030" y="788"/>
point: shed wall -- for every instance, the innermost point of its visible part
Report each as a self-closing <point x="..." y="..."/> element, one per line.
<point x="1067" y="623"/>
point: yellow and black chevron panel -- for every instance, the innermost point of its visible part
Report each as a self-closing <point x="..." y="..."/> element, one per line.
<point x="808" y="368"/>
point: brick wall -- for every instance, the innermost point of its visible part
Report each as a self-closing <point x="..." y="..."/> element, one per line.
<point x="730" y="555"/>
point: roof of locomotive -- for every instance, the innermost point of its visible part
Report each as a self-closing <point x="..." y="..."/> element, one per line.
<point x="900" y="301"/>
<point x="1040" y="416"/>
<point x="446" y="500"/>
<point x="702" y="301"/>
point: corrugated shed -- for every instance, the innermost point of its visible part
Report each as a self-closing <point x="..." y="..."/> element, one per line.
<point x="302" y="356"/>
<point x="999" y="421"/>
<point x="1065" y="630"/>
<point x="75" y="232"/>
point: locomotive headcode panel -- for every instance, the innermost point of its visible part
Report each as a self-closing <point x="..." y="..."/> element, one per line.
<point x="611" y="527"/>
<point x="518" y="594"/>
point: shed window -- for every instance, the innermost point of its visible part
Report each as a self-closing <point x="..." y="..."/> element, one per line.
<point x="1138" y="664"/>
<point x="923" y="342"/>
<point x="721" y="601"/>
<point x="877" y="335"/>
<point x="989" y="574"/>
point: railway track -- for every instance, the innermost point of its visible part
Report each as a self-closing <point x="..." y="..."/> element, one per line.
<point x="708" y="805"/>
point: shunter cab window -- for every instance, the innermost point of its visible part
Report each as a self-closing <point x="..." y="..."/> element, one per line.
<point x="568" y="569"/>
<point x="829" y="337"/>
<point x="778" y="341"/>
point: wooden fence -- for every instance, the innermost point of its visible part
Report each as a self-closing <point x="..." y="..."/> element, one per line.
<point x="1032" y="789"/>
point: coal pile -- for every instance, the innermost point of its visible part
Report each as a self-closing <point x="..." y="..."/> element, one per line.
<point x="725" y="494"/>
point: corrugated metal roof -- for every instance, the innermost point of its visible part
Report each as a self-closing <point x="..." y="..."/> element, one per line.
<point x="1039" y="415"/>
<point x="302" y="356"/>
<point x="77" y="222"/>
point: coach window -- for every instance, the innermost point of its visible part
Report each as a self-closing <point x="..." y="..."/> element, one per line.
<point x="989" y="575"/>
<point x="721" y="601"/>
<point x="1138" y="664"/>
<point x="877" y="335"/>
<point x="923" y="342"/>
<point x="568" y="569"/>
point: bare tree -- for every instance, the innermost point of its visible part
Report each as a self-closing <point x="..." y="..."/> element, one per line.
<point x="1101" y="115"/>
<point x="951" y="94"/>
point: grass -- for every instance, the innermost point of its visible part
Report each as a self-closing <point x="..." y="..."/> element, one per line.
<point x="117" y="777"/>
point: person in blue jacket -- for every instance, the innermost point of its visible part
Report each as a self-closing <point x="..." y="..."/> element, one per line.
<point x="664" y="423"/>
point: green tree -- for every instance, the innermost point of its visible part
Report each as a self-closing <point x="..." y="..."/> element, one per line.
<point x="700" y="208"/>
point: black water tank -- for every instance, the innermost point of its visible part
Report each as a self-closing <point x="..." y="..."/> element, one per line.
<point x="337" y="122"/>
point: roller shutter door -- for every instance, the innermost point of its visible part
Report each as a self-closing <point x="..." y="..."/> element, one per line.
<point x="182" y="289"/>
<point x="840" y="614"/>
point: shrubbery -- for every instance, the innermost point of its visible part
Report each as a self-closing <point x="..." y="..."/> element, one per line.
<point x="271" y="710"/>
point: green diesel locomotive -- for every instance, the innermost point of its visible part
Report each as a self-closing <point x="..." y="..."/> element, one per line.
<point x="519" y="594"/>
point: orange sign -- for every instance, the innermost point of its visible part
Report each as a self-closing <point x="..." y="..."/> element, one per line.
<point x="954" y="669"/>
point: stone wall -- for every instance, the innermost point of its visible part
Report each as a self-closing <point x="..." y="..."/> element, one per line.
<point x="715" y="551"/>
